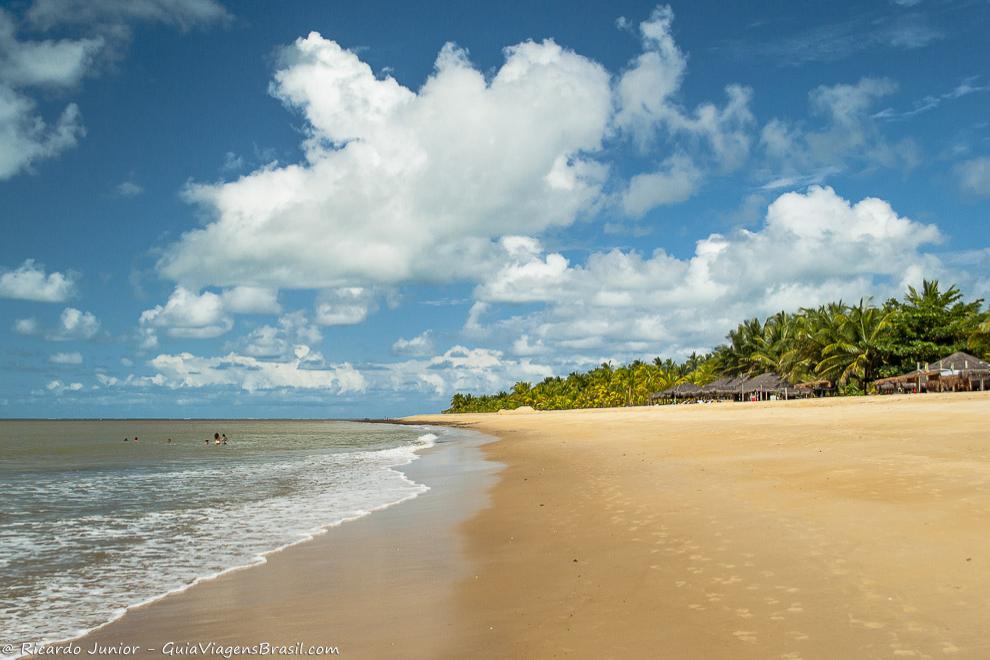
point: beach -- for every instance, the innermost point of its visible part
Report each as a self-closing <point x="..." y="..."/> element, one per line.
<point x="838" y="528"/>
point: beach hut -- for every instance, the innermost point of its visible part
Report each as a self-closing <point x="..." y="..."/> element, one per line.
<point x="911" y="382"/>
<point x="766" y="386"/>
<point x="958" y="372"/>
<point x="682" y="391"/>
<point x="814" y="388"/>
<point x="717" y="388"/>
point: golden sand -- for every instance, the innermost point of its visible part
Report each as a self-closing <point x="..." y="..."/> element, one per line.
<point x="827" y="529"/>
<point x="843" y="528"/>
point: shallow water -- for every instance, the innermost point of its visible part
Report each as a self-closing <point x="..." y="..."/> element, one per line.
<point x="90" y="524"/>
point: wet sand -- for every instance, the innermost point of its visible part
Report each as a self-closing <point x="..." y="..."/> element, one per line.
<point x="844" y="528"/>
<point x="375" y="587"/>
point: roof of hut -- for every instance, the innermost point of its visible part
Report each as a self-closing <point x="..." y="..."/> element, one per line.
<point x="959" y="361"/>
<point x="728" y="385"/>
<point x="766" y="382"/>
<point x="716" y="385"/>
<point x="678" y="390"/>
<point x="910" y="377"/>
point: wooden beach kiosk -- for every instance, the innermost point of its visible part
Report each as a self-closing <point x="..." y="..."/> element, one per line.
<point x="959" y="372"/>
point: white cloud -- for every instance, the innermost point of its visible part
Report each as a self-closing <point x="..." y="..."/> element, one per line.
<point x="421" y="344"/>
<point x="74" y="324"/>
<point x="930" y="102"/>
<point x="128" y="189"/>
<point x="251" y="300"/>
<point x="460" y="369"/>
<point x="848" y="133"/>
<point x="293" y="331"/>
<point x="184" y="14"/>
<point x="812" y="247"/>
<point x="57" y="387"/>
<point x="51" y="63"/>
<point x="647" y="94"/>
<point x="204" y="315"/>
<point x="27" y="326"/>
<point x="974" y="176"/>
<point x="187" y="314"/>
<point x="232" y="162"/>
<point x="66" y="358"/>
<point x="345" y="306"/>
<point x="401" y="185"/>
<point x="675" y="181"/>
<point x="522" y="346"/>
<point x="248" y="373"/>
<point x="25" y="137"/>
<point x="29" y="282"/>
<point x="26" y="66"/>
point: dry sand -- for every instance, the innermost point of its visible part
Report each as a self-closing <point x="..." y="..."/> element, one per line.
<point x="845" y="528"/>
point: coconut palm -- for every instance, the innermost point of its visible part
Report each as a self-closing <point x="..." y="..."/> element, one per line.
<point x="857" y="344"/>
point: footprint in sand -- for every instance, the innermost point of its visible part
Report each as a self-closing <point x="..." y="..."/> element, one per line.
<point x="948" y="648"/>
<point x="748" y="636"/>
<point x="744" y="613"/>
<point x="680" y="583"/>
<point x="793" y="655"/>
<point x="696" y="606"/>
<point x="797" y="635"/>
<point x="796" y="607"/>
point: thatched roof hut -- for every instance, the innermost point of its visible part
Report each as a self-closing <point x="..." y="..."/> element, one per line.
<point x="727" y="385"/>
<point x="959" y="362"/>
<point x="959" y="371"/>
<point x="716" y="385"/>
<point x="686" y="389"/>
<point x="677" y="392"/>
<point x="766" y="382"/>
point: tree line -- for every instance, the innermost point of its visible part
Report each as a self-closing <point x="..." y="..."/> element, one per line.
<point x="848" y="345"/>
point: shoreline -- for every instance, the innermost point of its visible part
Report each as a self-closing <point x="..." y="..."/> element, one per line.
<point x="800" y="530"/>
<point x="432" y="466"/>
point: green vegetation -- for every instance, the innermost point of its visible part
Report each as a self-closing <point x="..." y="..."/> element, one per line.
<point x="849" y="345"/>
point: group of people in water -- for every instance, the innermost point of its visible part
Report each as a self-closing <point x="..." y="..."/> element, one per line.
<point x="218" y="439"/>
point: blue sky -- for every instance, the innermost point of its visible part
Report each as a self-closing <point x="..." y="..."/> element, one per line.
<point x="333" y="210"/>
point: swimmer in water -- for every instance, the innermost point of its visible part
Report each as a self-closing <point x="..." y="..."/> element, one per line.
<point x="127" y="439"/>
<point x="224" y="438"/>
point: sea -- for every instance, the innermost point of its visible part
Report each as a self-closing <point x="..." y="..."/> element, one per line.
<point x="100" y="516"/>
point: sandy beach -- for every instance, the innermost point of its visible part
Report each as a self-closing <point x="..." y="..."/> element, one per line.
<point x="842" y="528"/>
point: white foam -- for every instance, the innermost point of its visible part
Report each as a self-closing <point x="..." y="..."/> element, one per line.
<point x="155" y="553"/>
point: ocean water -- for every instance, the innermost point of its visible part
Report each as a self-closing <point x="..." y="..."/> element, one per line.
<point x="91" y="525"/>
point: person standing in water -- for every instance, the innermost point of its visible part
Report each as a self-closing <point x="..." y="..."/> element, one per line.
<point x="224" y="438"/>
<point x="216" y="438"/>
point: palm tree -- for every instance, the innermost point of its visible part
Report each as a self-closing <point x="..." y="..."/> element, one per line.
<point x="856" y="346"/>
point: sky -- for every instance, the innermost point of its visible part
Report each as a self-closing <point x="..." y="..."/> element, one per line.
<point x="331" y="209"/>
